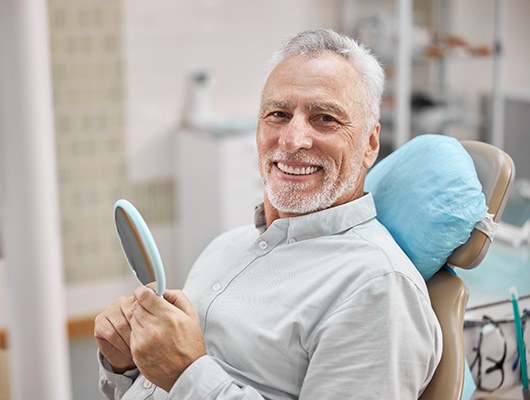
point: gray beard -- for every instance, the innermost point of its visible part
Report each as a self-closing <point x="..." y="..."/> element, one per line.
<point x="288" y="197"/>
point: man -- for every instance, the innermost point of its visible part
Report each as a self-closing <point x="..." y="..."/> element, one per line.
<point x="315" y="302"/>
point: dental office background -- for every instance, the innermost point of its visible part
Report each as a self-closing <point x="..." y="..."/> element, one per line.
<point x="156" y="102"/>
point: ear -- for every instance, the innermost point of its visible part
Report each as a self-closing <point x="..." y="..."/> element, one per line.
<point x="372" y="149"/>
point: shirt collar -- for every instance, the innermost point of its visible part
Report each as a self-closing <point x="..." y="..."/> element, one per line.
<point x="322" y="223"/>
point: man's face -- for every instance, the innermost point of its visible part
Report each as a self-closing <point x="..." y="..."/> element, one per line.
<point x="313" y="143"/>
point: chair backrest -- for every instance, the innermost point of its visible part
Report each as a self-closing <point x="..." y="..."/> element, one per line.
<point x="496" y="172"/>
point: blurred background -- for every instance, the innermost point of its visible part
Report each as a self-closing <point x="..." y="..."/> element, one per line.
<point x="156" y="102"/>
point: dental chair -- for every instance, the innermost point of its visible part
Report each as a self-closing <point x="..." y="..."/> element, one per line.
<point x="441" y="198"/>
<point x="496" y="172"/>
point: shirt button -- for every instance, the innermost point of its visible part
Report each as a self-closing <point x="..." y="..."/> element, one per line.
<point x="216" y="287"/>
<point x="292" y="240"/>
<point x="263" y="245"/>
<point x="147" y="384"/>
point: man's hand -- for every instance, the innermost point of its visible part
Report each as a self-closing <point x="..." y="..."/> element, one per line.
<point x="166" y="335"/>
<point x="113" y="334"/>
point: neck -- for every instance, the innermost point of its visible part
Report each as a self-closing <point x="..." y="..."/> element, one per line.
<point x="271" y="213"/>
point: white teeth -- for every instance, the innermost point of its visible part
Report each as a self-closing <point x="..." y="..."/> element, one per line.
<point x="297" y="171"/>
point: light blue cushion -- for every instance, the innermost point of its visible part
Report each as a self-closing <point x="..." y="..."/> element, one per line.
<point x="428" y="196"/>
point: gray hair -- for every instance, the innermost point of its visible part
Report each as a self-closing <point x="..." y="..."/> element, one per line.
<point x="312" y="43"/>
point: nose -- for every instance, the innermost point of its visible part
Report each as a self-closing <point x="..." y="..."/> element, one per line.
<point x="296" y="135"/>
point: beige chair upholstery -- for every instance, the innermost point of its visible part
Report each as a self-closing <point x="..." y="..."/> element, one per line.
<point x="448" y="293"/>
<point x="496" y="172"/>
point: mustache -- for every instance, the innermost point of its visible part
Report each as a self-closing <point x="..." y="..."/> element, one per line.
<point x="298" y="156"/>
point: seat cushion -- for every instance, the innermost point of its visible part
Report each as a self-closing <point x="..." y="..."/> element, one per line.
<point x="428" y="196"/>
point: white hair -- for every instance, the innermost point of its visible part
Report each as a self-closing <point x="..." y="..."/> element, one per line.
<point x="312" y="43"/>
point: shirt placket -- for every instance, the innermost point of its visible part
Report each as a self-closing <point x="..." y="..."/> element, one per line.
<point x="261" y="247"/>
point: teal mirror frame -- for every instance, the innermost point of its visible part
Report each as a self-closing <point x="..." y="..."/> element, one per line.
<point x="137" y="239"/>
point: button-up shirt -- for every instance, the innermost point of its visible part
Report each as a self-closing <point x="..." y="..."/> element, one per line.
<point x="320" y="306"/>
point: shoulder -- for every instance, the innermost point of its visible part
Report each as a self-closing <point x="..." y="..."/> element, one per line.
<point x="382" y="255"/>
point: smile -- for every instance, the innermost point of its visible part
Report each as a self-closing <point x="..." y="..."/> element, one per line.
<point x="297" y="170"/>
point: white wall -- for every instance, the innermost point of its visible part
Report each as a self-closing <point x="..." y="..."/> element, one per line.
<point x="233" y="39"/>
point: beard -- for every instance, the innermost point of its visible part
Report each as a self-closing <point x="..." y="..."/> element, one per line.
<point x="298" y="198"/>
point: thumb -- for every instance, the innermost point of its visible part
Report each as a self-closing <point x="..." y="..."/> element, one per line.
<point x="179" y="300"/>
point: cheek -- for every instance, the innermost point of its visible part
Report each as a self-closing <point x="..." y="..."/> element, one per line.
<point x="351" y="160"/>
<point x="266" y="140"/>
<point x="339" y="158"/>
<point x="261" y="134"/>
<point x="263" y="148"/>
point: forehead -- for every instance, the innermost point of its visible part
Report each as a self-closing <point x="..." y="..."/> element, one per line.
<point x="325" y="78"/>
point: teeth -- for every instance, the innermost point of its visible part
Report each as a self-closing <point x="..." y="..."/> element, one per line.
<point x="297" y="171"/>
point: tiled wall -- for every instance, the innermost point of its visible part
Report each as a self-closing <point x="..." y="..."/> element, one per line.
<point x="89" y="113"/>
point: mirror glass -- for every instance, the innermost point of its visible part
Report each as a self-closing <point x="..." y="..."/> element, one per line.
<point x="139" y="246"/>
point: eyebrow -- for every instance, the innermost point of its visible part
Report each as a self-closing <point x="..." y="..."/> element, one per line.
<point x="327" y="107"/>
<point x="324" y="106"/>
<point x="283" y="105"/>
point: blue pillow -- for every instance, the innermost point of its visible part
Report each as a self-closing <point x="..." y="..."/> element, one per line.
<point x="427" y="194"/>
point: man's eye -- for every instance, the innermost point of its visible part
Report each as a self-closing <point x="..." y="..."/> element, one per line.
<point x="325" y="118"/>
<point x="278" y="114"/>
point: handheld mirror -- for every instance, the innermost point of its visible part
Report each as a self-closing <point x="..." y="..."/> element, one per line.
<point x="139" y="246"/>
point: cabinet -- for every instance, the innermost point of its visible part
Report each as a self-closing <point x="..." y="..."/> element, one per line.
<point x="396" y="39"/>
<point x="217" y="187"/>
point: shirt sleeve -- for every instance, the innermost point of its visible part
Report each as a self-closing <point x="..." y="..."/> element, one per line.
<point x="114" y="386"/>
<point x="383" y="342"/>
<point x="206" y="380"/>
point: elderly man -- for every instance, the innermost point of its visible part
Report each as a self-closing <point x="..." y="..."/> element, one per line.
<point x="316" y="301"/>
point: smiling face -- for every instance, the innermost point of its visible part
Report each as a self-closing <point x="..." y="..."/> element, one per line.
<point x="313" y="143"/>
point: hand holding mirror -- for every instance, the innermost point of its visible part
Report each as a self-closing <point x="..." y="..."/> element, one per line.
<point x="139" y="246"/>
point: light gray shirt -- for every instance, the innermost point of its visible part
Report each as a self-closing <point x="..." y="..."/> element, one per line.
<point x="321" y="306"/>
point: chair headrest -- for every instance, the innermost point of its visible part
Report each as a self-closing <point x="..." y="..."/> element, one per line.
<point x="496" y="173"/>
<point x="433" y="191"/>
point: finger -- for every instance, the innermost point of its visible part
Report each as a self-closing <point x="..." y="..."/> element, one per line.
<point x="118" y="317"/>
<point x="128" y="312"/>
<point x="180" y="300"/>
<point x="147" y="299"/>
<point x="135" y="324"/>
<point x="151" y="302"/>
<point x="111" y="331"/>
<point x="125" y="327"/>
<point x="141" y="317"/>
<point x="153" y="286"/>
